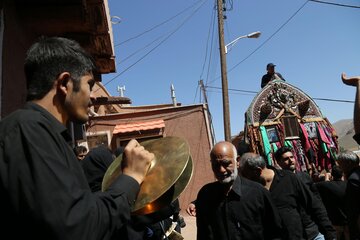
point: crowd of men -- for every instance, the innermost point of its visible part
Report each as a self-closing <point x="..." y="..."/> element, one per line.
<point x="47" y="194"/>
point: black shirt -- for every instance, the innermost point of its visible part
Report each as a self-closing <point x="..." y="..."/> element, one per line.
<point x="245" y="213"/>
<point x="269" y="77"/>
<point x="44" y="193"/>
<point x="95" y="165"/>
<point x="311" y="228"/>
<point x="333" y="195"/>
<point x="290" y="194"/>
<point x="352" y="199"/>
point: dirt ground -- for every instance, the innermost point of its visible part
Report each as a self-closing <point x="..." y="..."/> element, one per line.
<point x="189" y="231"/>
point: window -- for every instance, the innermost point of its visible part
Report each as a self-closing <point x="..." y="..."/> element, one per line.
<point x="98" y="138"/>
<point x="291" y="127"/>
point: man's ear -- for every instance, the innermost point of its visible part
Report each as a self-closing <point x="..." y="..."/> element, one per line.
<point x="238" y="161"/>
<point x="258" y="171"/>
<point x="62" y="82"/>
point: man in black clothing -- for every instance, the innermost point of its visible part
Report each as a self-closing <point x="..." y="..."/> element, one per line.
<point x="234" y="207"/>
<point x="287" y="192"/>
<point x="270" y="75"/>
<point x="95" y="165"/>
<point x="332" y="193"/>
<point x="44" y="192"/>
<point x="285" y="159"/>
<point x="349" y="163"/>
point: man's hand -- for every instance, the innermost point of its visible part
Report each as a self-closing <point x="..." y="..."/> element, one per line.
<point x="136" y="161"/>
<point x="191" y="210"/>
<point x="352" y="81"/>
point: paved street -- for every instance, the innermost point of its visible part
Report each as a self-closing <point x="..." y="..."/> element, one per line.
<point x="189" y="232"/>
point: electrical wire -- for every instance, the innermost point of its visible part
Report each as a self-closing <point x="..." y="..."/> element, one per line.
<point x="158" y="25"/>
<point x="271" y="36"/>
<point x="336" y="4"/>
<point x="197" y="90"/>
<point x="210" y="33"/>
<point x="151" y="50"/>
<point x="267" y="40"/>
<point x="255" y="92"/>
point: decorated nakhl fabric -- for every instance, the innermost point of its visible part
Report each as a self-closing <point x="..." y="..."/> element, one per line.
<point x="283" y="115"/>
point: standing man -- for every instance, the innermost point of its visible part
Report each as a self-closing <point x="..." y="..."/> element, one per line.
<point x="234" y="207"/>
<point x="285" y="159"/>
<point x="349" y="163"/>
<point x="288" y="193"/>
<point x="270" y="75"/>
<point x="332" y="193"/>
<point x="44" y="192"/>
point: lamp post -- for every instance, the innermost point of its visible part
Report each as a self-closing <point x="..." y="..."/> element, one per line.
<point x="232" y="43"/>
<point x="224" y="82"/>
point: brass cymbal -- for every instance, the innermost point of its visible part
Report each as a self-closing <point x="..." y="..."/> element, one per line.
<point x="169" y="174"/>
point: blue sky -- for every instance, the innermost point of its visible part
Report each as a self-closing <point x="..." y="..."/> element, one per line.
<point x="164" y="42"/>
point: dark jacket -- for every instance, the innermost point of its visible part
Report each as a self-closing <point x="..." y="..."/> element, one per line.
<point x="247" y="212"/>
<point x="44" y="192"/>
<point x="290" y="194"/>
<point x="269" y="77"/>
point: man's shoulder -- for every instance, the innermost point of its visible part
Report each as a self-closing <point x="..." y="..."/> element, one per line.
<point x="355" y="175"/>
<point x="254" y="187"/>
<point x="17" y="117"/>
<point x="209" y="186"/>
<point x="305" y="177"/>
<point x="286" y="174"/>
<point x="208" y="190"/>
<point x="330" y="185"/>
<point x="250" y="183"/>
<point x="265" y="76"/>
<point x="24" y="118"/>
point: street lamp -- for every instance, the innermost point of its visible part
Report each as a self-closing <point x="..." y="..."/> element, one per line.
<point x="224" y="82"/>
<point x="250" y="35"/>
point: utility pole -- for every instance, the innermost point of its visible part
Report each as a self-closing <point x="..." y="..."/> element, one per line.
<point x="224" y="81"/>
<point x="202" y="87"/>
<point x="211" y="126"/>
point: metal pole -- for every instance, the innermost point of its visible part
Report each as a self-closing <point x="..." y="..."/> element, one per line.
<point x="225" y="93"/>
<point x="229" y="45"/>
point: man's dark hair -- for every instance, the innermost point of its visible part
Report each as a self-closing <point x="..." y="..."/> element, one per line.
<point x="48" y="58"/>
<point x="281" y="151"/>
<point x="79" y="149"/>
<point x="252" y="161"/>
<point x="336" y="172"/>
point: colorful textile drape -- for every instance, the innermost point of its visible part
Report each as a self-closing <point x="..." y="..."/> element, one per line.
<point x="267" y="146"/>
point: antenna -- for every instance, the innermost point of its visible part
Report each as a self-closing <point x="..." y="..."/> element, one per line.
<point x="173" y="95"/>
<point x="121" y="90"/>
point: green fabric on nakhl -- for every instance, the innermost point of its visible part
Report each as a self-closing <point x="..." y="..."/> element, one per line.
<point x="324" y="147"/>
<point x="288" y="144"/>
<point x="274" y="146"/>
<point x="267" y="146"/>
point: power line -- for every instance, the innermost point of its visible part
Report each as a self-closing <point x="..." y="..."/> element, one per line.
<point x="158" y="25"/>
<point x="271" y="36"/>
<point x="254" y="92"/>
<point x="268" y="39"/>
<point x="336" y="4"/>
<point x="151" y="50"/>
